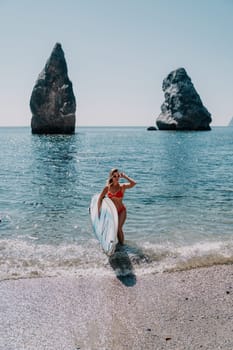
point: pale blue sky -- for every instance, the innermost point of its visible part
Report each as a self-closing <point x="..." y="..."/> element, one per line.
<point x="118" y="53"/>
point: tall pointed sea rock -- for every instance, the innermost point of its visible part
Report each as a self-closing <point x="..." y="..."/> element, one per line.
<point x="52" y="100"/>
<point x="182" y="108"/>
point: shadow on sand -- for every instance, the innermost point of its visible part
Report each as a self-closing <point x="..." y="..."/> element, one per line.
<point x="122" y="265"/>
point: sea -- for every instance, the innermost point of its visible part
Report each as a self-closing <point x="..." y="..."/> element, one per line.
<point x="179" y="215"/>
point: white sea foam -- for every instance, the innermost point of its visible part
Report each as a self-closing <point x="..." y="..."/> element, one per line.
<point x="21" y="259"/>
<point x="174" y="258"/>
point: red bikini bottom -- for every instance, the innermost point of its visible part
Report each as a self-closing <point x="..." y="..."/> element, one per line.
<point x="121" y="209"/>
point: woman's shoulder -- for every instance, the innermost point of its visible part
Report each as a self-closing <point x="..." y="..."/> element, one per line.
<point x="105" y="189"/>
<point x="122" y="187"/>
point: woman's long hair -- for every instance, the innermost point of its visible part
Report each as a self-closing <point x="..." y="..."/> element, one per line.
<point x="110" y="177"/>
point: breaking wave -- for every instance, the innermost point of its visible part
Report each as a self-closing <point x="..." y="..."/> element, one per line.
<point x="24" y="259"/>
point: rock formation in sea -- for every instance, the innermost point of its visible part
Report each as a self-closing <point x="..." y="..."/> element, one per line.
<point x="52" y="100"/>
<point x="151" y="128"/>
<point x="182" y="108"/>
<point x="231" y="122"/>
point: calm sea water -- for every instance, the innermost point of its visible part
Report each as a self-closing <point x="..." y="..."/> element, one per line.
<point x="180" y="214"/>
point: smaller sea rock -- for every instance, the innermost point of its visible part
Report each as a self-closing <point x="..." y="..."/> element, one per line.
<point x="151" y="128"/>
<point x="182" y="108"/>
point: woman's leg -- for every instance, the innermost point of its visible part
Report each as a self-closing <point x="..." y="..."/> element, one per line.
<point x="121" y="221"/>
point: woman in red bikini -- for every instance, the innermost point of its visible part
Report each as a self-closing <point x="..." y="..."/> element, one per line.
<point x="115" y="191"/>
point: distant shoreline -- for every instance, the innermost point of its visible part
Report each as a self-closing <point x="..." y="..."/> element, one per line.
<point x="106" y="126"/>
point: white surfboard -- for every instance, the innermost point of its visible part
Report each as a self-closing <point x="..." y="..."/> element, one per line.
<point x="105" y="226"/>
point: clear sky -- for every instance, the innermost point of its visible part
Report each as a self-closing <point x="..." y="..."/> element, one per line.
<point x="118" y="52"/>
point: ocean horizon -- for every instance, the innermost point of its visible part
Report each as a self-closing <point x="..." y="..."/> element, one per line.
<point x="179" y="215"/>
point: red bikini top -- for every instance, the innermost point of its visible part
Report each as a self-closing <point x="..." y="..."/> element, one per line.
<point x="118" y="194"/>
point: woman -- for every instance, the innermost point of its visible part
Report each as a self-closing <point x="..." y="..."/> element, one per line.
<point x="115" y="191"/>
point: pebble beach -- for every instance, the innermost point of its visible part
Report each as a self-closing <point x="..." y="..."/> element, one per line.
<point x="179" y="310"/>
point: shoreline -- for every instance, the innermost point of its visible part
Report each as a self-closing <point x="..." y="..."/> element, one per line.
<point x="170" y="310"/>
<point x="22" y="260"/>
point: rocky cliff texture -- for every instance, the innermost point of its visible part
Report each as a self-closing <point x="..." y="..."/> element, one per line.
<point x="52" y="101"/>
<point x="182" y="108"/>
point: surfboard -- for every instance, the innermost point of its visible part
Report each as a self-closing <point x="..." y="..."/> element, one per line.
<point x="105" y="226"/>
